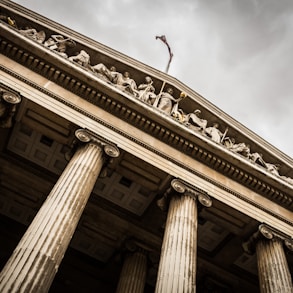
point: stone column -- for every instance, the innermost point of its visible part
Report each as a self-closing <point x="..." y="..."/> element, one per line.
<point x="133" y="275"/>
<point x="273" y="271"/>
<point x="36" y="259"/>
<point x="177" y="267"/>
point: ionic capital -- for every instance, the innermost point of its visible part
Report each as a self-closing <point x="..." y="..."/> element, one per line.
<point x="182" y="188"/>
<point x="10" y="97"/>
<point x="8" y="102"/>
<point x="266" y="232"/>
<point x="85" y="136"/>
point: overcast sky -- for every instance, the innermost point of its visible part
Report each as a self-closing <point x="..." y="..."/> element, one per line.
<point x="238" y="54"/>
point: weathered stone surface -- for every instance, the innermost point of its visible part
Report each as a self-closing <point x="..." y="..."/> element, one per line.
<point x="133" y="274"/>
<point x="36" y="259"/>
<point x="177" y="269"/>
<point x="273" y="271"/>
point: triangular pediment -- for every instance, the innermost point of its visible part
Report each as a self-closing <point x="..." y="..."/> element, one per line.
<point x="191" y="125"/>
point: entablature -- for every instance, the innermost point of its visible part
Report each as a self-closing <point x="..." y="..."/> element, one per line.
<point x="255" y="170"/>
<point x="164" y="157"/>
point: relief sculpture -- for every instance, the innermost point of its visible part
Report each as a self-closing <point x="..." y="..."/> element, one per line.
<point x="164" y="102"/>
<point x="214" y="133"/>
<point x="32" y="33"/>
<point x="83" y="59"/>
<point x="125" y="83"/>
<point x="193" y="121"/>
<point x="146" y="91"/>
<point x="59" y="44"/>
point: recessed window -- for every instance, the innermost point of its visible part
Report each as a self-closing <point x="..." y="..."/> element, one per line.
<point x="126" y="182"/>
<point x="46" y="140"/>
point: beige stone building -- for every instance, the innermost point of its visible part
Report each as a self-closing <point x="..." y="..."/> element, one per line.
<point x="112" y="182"/>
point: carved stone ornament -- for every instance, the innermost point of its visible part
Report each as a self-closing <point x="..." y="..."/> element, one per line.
<point x="202" y="197"/>
<point x="178" y="186"/>
<point x="270" y="233"/>
<point x="266" y="232"/>
<point x="84" y="136"/>
<point x="111" y="150"/>
<point x="11" y="98"/>
<point x="205" y="200"/>
<point x="163" y="101"/>
<point x="8" y="105"/>
<point x="289" y="244"/>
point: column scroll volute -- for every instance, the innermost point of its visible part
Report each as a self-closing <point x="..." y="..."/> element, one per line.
<point x="271" y="233"/>
<point x="86" y="136"/>
<point x="83" y="136"/>
<point x="181" y="188"/>
<point x="266" y="232"/>
<point x="8" y="102"/>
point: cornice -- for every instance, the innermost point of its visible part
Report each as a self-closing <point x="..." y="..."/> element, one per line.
<point x="77" y="79"/>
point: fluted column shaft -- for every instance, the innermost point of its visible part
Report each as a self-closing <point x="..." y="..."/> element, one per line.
<point x="133" y="274"/>
<point x="273" y="271"/>
<point x="177" y="268"/>
<point x="36" y="259"/>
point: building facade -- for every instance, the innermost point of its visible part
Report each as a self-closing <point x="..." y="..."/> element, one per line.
<point x="116" y="177"/>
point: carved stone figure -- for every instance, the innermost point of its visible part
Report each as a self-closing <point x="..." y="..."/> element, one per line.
<point x="274" y="169"/>
<point x="165" y="101"/>
<point x="113" y="74"/>
<point x="34" y="34"/>
<point x="59" y="44"/>
<point x="83" y="59"/>
<point x="257" y="158"/>
<point x="287" y="179"/>
<point x="102" y="71"/>
<point x="125" y="83"/>
<point x="240" y="148"/>
<point x="176" y="113"/>
<point x="146" y="91"/>
<point x="194" y="122"/>
<point x="214" y="133"/>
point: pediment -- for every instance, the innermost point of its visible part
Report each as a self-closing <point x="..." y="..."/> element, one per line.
<point x="68" y="71"/>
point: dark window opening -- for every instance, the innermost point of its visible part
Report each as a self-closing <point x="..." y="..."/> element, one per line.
<point x="46" y="140"/>
<point x="126" y="182"/>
